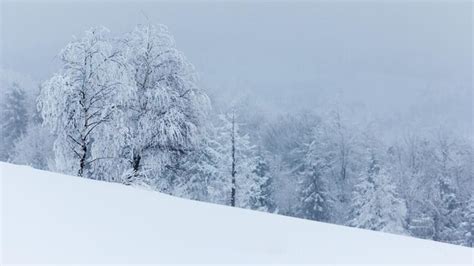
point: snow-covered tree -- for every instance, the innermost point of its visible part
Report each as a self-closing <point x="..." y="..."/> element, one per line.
<point x="468" y="223"/>
<point x="338" y="142"/>
<point x="422" y="227"/>
<point x="26" y="84"/>
<point x="283" y="140"/>
<point x="314" y="198"/>
<point x="342" y="143"/>
<point x="200" y="178"/>
<point x="408" y="160"/>
<point x="164" y="109"/>
<point x="376" y="204"/>
<point x="14" y="119"/>
<point x="76" y="102"/>
<point x="35" y="148"/>
<point x="446" y="204"/>
<point x="238" y="162"/>
<point x="264" y="199"/>
<point x="431" y="169"/>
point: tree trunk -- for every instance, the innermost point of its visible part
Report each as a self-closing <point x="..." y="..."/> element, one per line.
<point x="232" y="195"/>
<point x="136" y="159"/>
<point x="136" y="162"/>
<point x="82" y="160"/>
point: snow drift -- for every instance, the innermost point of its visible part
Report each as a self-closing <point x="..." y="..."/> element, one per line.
<point x="53" y="218"/>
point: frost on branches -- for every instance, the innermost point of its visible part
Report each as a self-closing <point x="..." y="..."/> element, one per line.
<point x="376" y="204"/>
<point x="120" y="106"/>
<point x="313" y="183"/>
<point x="130" y="109"/>
<point x="199" y="175"/>
<point x="164" y="109"/>
<point x="238" y="162"/>
<point x="14" y="119"/>
<point x="76" y="102"/>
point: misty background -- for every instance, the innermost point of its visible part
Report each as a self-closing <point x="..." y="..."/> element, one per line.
<point x="402" y="64"/>
<point x="353" y="113"/>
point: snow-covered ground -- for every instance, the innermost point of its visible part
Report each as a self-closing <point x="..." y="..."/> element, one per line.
<point x="53" y="218"/>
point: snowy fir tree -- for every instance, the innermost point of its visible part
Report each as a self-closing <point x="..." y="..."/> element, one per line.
<point x="14" y="119"/>
<point x="468" y="223"/>
<point x="238" y="162"/>
<point x="313" y="193"/>
<point x="447" y="208"/>
<point x="263" y="199"/>
<point x="376" y="204"/>
<point x="200" y="178"/>
<point x="449" y="217"/>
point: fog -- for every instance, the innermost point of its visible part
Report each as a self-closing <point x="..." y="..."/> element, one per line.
<point x="398" y="62"/>
<point x="352" y="113"/>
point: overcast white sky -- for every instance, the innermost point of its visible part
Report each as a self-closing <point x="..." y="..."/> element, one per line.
<point x="384" y="56"/>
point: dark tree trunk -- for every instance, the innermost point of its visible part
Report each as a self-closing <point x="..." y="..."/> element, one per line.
<point x="232" y="195"/>
<point x="136" y="162"/>
<point x="82" y="161"/>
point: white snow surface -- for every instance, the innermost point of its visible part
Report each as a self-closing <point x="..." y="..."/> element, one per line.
<point x="53" y="218"/>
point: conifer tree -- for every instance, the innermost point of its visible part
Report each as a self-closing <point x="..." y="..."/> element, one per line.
<point x="14" y="119"/>
<point x="376" y="204"/>
<point x="238" y="162"/>
<point x="468" y="224"/>
<point x="263" y="200"/>
<point x="313" y="192"/>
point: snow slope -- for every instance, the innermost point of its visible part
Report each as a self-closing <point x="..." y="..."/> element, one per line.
<point x="53" y="218"/>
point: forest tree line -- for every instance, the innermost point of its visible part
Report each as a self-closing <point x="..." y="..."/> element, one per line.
<point x="130" y="109"/>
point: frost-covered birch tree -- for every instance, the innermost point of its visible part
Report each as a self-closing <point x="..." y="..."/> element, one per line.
<point x="77" y="101"/>
<point x="164" y="109"/>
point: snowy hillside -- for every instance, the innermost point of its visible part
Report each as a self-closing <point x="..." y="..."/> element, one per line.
<point x="52" y="218"/>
